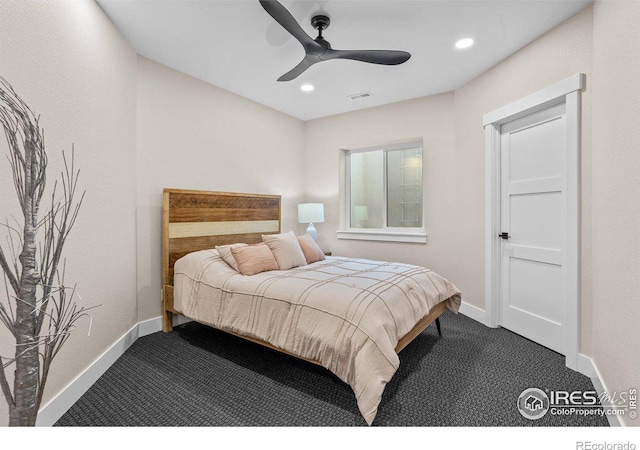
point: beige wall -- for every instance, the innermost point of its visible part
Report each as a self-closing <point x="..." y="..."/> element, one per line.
<point x="71" y="66"/>
<point x="560" y="53"/>
<point x="430" y="118"/>
<point x="193" y="135"/>
<point x="616" y="194"/>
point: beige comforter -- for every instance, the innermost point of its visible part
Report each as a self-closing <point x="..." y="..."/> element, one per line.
<point x="348" y="314"/>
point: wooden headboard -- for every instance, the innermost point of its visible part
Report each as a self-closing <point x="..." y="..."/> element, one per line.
<point x="199" y="220"/>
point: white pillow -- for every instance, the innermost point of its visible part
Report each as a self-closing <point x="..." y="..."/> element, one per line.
<point x="285" y="249"/>
<point x="225" y="253"/>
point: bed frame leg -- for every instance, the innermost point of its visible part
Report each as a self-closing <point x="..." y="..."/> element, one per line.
<point x="438" y="326"/>
<point x="167" y="321"/>
<point x="167" y="308"/>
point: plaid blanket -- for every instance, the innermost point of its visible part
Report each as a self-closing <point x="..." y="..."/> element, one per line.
<point x="348" y="314"/>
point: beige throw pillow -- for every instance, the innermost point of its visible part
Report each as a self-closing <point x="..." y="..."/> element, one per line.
<point x="285" y="249"/>
<point x="312" y="252"/>
<point x="225" y="253"/>
<point x="252" y="259"/>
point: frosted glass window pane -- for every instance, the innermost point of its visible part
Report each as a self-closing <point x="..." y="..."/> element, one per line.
<point x="367" y="190"/>
<point x="386" y="188"/>
<point x="404" y="188"/>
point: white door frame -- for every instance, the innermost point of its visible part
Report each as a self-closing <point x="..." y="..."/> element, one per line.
<point x="567" y="91"/>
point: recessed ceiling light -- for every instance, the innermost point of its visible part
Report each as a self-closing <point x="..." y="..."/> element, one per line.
<point x="307" y="88"/>
<point x="464" y="43"/>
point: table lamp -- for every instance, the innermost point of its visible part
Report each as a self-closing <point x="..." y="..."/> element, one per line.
<point x="310" y="213"/>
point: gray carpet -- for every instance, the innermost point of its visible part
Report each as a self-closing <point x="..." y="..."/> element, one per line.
<point x="198" y="376"/>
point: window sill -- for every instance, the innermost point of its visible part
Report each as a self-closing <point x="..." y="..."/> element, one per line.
<point x="384" y="235"/>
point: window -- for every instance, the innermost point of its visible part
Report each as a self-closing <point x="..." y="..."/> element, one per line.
<point x="383" y="193"/>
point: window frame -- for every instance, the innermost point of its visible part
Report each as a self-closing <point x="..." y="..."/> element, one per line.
<point x="386" y="233"/>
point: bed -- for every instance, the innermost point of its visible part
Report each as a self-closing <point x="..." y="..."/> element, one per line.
<point x="351" y="316"/>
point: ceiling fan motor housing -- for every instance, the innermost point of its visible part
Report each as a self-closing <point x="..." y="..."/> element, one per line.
<point x="320" y="22"/>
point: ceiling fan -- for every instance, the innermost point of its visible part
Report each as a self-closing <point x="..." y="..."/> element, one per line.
<point x="318" y="49"/>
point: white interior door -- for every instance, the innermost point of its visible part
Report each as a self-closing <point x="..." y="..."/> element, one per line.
<point x="533" y="214"/>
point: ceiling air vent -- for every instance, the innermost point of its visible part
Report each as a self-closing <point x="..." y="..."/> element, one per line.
<point x="360" y="95"/>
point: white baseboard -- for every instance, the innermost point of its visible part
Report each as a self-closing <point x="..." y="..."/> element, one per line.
<point x="50" y="413"/>
<point x="150" y="326"/>
<point x="60" y="404"/>
<point x="179" y="320"/>
<point x="154" y="325"/>
<point x="473" y="312"/>
<point x="587" y="367"/>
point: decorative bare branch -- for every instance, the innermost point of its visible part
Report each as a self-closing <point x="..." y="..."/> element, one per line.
<point x="7" y="271"/>
<point x="6" y="389"/>
<point x="58" y="222"/>
<point x="31" y="266"/>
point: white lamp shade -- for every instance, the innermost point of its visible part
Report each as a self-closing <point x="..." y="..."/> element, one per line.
<point x="310" y="212"/>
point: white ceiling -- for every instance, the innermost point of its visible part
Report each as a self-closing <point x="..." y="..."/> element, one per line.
<point x="237" y="46"/>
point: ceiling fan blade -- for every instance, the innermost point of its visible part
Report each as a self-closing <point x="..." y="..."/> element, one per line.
<point x="284" y="18"/>
<point x="386" y="57"/>
<point x="307" y="62"/>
